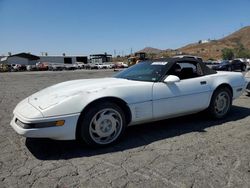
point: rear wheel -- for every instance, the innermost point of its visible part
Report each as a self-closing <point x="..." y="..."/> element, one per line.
<point x="102" y="124"/>
<point x="221" y="102"/>
<point x="243" y="67"/>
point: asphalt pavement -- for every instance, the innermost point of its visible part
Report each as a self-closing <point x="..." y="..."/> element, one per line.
<point x="191" y="151"/>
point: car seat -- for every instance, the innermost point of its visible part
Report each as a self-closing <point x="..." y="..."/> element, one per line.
<point x="186" y="73"/>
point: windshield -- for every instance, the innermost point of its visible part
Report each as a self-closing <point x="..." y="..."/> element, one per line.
<point x="144" y="71"/>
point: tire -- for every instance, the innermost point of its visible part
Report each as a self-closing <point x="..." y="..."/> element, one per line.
<point x="220" y="103"/>
<point x="102" y="125"/>
<point x="229" y="68"/>
<point x="243" y="68"/>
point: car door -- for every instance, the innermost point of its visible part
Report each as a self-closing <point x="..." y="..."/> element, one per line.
<point x="183" y="97"/>
<point x="239" y="64"/>
<point x="236" y="64"/>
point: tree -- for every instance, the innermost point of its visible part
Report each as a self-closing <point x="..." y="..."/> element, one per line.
<point x="241" y="52"/>
<point x="164" y="55"/>
<point x="151" y="55"/>
<point x="227" y="54"/>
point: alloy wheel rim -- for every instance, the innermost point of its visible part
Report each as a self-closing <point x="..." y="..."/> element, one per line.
<point x="105" y="126"/>
<point x="222" y="103"/>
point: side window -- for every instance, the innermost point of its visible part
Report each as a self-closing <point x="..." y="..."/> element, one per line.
<point x="186" y="70"/>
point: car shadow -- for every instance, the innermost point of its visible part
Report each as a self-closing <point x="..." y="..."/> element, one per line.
<point x="136" y="136"/>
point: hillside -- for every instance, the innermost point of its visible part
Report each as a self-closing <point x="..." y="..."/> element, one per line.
<point x="211" y="49"/>
<point x="150" y="50"/>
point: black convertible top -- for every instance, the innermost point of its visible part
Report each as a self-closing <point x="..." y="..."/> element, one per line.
<point x="171" y="61"/>
<point x="155" y="70"/>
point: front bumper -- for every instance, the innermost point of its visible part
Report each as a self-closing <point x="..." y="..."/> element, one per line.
<point x="65" y="132"/>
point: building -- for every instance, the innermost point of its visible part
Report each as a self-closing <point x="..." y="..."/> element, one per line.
<point x="100" y="58"/>
<point x="64" y="59"/>
<point x="204" y="41"/>
<point x="21" y="58"/>
<point x="29" y="59"/>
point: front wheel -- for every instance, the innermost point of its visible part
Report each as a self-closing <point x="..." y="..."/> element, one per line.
<point x="220" y="103"/>
<point x="102" y="124"/>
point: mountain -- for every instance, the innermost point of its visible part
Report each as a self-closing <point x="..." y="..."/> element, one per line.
<point x="213" y="48"/>
<point x="209" y="50"/>
<point x="150" y="50"/>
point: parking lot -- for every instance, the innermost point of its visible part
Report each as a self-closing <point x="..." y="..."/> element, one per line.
<point x="191" y="151"/>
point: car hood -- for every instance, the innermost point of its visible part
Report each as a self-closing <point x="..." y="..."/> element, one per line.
<point x="61" y="92"/>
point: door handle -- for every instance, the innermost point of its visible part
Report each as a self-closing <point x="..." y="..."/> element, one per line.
<point x="203" y="82"/>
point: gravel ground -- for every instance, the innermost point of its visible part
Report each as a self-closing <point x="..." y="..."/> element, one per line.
<point x="191" y="151"/>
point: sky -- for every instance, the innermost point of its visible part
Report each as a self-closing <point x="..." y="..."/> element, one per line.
<point x="83" y="27"/>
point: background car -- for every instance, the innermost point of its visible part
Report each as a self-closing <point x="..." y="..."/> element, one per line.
<point x="238" y="65"/>
<point x="31" y="67"/>
<point x="210" y="64"/>
<point x="71" y="66"/>
<point x="227" y="65"/>
<point x="56" y="66"/>
<point x="224" y="65"/>
<point x="42" y="66"/>
<point x="22" y="68"/>
<point x="80" y="65"/>
<point x="13" y="68"/>
<point x="95" y="66"/>
<point x="106" y="66"/>
<point x="121" y="65"/>
<point x="87" y="66"/>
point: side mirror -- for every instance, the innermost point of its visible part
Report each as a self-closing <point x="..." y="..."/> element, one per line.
<point x="171" y="79"/>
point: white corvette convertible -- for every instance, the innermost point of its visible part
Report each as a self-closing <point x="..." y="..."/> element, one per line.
<point x="98" y="111"/>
